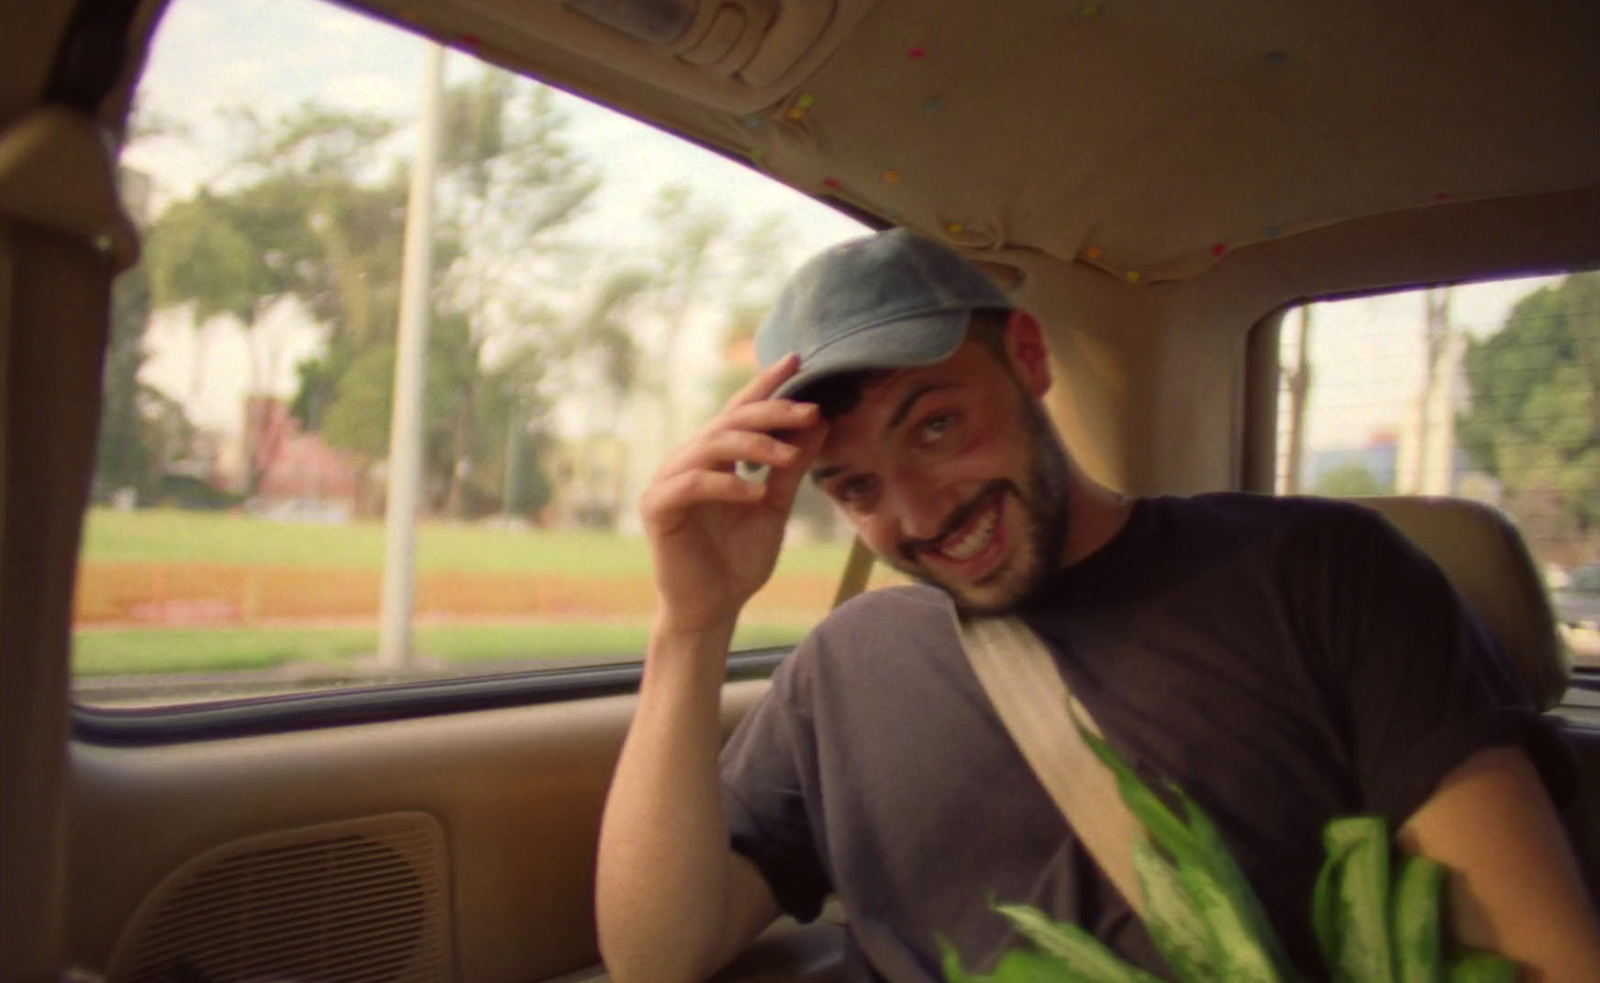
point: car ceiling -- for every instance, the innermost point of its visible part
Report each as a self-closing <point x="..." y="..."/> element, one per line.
<point x="1144" y="137"/>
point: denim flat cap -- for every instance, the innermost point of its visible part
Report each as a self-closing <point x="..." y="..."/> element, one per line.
<point x="889" y="301"/>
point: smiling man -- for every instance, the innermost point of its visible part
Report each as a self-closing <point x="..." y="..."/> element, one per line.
<point x="1285" y="662"/>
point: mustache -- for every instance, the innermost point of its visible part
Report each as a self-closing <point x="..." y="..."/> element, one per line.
<point x="960" y="516"/>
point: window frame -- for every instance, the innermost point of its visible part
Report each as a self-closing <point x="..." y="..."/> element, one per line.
<point x="348" y="706"/>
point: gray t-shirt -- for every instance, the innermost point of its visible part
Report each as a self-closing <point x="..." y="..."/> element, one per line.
<point x="1284" y="661"/>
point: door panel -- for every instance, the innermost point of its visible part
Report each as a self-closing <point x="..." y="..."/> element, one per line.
<point x="518" y="793"/>
<point x="1583" y="813"/>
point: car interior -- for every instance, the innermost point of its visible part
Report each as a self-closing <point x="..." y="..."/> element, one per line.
<point x="1161" y="183"/>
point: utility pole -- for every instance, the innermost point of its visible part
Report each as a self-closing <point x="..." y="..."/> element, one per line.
<point x="410" y="378"/>
<point x="1299" y="389"/>
<point x="513" y="442"/>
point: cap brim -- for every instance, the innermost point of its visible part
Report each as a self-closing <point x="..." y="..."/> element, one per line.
<point x="894" y="345"/>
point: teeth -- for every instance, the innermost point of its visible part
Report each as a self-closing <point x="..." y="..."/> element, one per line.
<point x="973" y="543"/>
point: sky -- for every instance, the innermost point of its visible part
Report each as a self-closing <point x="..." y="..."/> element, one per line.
<point x="273" y="55"/>
<point x="1366" y="355"/>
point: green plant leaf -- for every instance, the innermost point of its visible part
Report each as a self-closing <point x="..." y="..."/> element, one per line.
<point x="1163" y="825"/>
<point x="1363" y="953"/>
<point x="1175" y="925"/>
<point x="1016" y="966"/>
<point x="1482" y="967"/>
<point x="1416" y="922"/>
<point x="1252" y="914"/>
<point x="1325" y="903"/>
<point x="1080" y="952"/>
<point x="1243" y="956"/>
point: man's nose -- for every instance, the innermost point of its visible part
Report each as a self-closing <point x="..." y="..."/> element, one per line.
<point x="923" y="506"/>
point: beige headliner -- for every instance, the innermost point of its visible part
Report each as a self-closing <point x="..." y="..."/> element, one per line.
<point x="1140" y="138"/>
<point x="1148" y="137"/>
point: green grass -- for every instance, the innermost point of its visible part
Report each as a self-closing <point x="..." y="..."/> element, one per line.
<point x="172" y="536"/>
<point x="202" y="650"/>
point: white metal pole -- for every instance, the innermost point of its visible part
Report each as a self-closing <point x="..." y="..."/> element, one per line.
<point x="410" y="376"/>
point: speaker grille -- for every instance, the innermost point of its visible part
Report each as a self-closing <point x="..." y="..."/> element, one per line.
<point x="352" y="902"/>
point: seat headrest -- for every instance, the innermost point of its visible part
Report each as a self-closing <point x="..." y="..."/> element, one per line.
<point x="1485" y="559"/>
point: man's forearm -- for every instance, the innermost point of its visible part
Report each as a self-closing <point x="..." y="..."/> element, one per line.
<point x="661" y="895"/>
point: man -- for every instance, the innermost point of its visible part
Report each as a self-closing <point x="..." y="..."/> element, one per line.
<point x="1284" y="661"/>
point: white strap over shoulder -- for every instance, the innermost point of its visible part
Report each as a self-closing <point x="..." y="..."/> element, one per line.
<point x="1027" y="690"/>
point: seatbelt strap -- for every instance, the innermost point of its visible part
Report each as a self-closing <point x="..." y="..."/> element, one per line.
<point x="857" y="571"/>
<point x="1026" y="688"/>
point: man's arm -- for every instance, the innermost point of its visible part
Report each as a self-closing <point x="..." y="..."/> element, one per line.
<point x="673" y="901"/>
<point x="1515" y="887"/>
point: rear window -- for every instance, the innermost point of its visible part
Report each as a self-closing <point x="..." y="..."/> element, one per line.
<point x="1487" y="391"/>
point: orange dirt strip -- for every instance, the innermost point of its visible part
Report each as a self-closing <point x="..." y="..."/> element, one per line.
<point x="174" y="594"/>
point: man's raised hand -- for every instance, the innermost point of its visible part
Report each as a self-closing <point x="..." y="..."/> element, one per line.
<point x="714" y="536"/>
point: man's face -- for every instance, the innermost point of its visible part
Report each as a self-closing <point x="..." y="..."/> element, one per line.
<point x="952" y="474"/>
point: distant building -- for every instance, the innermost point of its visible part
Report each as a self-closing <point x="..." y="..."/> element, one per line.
<point x="586" y="479"/>
<point x="292" y="467"/>
<point x="1379" y="457"/>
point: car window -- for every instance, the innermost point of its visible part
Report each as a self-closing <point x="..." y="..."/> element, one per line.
<point x="593" y="291"/>
<point x="1585" y="580"/>
<point x="1487" y="391"/>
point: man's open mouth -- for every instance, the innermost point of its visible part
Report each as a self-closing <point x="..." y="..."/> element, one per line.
<point x="967" y="543"/>
<point x="977" y="535"/>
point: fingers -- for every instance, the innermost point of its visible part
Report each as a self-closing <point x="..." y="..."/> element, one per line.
<point x="783" y="484"/>
<point x="766" y="382"/>
<point x="720" y="450"/>
<point x="670" y="499"/>
<point x="744" y="433"/>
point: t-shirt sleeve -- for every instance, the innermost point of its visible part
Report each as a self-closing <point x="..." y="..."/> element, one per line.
<point x="766" y="766"/>
<point x="1423" y="684"/>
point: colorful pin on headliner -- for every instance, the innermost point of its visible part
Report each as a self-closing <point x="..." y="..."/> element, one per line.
<point x="1093" y="253"/>
<point x="1273" y="231"/>
<point x="916" y="54"/>
<point x="1277" y="57"/>
<point x="752" y="122"/>
<point x="471" y="40"/>
<point x="891" y="177"/>
<point x="955" y="228"/>
<point x="1089" y="10"/>
<point x="932" y="104"/>
<point x="797" y="112"/>
<point x="1443" y="196"/>
<point x="1132" y="276"/>
<point x="1218" y="248"/>
<point x="831" y="183"/>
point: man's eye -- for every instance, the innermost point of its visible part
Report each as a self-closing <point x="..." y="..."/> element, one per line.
<point x="855" y="489"/>
<point x="936" y="427"/>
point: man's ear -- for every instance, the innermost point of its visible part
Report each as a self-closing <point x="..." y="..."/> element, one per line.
<point x="1026" y="348"/>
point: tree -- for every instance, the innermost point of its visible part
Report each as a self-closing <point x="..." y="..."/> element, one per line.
<point x="123" y="459"/>
<point x="1348" y="481"/>
<point x="509" y="184"/>
<point x="308" y="210"/>
<point x="1534" y="417"/>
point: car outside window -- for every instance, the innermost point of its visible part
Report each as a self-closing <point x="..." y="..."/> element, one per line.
<point x="592" y="296"/>
<point x="1488" y="391"/>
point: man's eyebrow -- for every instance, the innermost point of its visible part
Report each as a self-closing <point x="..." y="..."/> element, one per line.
<point x="904" y="409"/>
<point x="898" y="417"/>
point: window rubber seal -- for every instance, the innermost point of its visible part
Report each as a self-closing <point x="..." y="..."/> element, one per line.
<point x="349" y="706"/>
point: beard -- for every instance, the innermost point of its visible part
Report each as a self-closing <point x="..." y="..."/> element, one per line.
<point x="1046" y="512"/>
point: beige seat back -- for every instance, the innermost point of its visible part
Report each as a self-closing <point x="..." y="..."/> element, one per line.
<point x="1484" y="557"/>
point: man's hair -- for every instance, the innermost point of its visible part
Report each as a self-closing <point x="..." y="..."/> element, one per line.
<point x="839" y="394"/>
